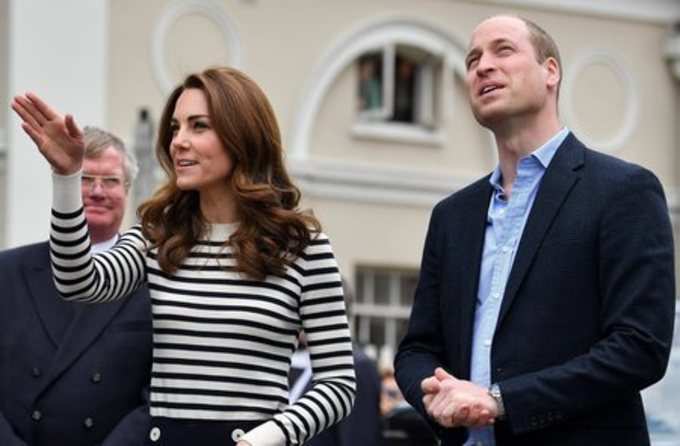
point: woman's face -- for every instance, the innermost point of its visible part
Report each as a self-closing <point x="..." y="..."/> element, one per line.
<point x="199" y="158"/>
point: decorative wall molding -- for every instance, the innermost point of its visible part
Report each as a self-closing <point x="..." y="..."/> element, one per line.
<point x="656" y="11"/>
<point x="631" y="103"/>
<point x="364" y="183"/>
<point x="210" y="9"/>
<point x="368" y="35"/>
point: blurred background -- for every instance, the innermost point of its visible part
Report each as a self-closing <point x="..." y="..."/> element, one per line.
<point x="371" y="102"/>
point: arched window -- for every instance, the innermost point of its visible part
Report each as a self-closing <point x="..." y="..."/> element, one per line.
<point x="398" y="83"/>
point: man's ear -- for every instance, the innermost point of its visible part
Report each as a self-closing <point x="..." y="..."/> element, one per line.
<point x="553" y="72"/>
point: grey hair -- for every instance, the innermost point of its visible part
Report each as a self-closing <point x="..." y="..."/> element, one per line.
<point x="97" y="140"/>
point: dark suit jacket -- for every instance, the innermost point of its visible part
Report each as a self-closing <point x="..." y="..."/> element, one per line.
<point x="587" y="316"/>
<point x="86" y="389"/>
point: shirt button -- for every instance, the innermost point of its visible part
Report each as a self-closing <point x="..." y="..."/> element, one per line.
<point x="36" y="372"/>
<point x="505" y="249"/>
<point x="36" y="415"/>
<point x="495" y="296"/>
<point x="88" y="423"/>
<point x="236" y="435"/>
<point x="96" y="377"/>
<point x="154" y="434"/>
<point x="487" y="343"/>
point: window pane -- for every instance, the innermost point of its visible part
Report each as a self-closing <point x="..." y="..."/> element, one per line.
<point x="370" y="81"/>
<point x="377" y="331"/>
<point x="359" y="288"/>
<point x="381" y="294"/>
<point x="404" y="89"/>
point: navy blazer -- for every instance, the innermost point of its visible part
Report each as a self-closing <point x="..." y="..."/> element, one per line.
<point x="587" y="317"/>
<point x="88" y="389"/>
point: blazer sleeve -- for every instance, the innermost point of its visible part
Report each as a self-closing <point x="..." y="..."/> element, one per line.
<point x="637" y="301"/>
<point x="422" y="349"/>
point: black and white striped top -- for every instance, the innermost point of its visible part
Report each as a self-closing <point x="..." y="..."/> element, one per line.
<point x="222" y="342"/>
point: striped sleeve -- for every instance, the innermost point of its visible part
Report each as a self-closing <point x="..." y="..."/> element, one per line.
<point x="79" y="275"/>
<point x="324" y="320"/>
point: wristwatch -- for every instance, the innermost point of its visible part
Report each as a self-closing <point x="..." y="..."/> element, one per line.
<point x="495" y="393"/>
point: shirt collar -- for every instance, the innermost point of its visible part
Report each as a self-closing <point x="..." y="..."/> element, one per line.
<point x="543" y="155"/>
<point x="105" y="245"/>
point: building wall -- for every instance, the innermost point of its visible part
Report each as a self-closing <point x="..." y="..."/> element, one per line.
<point x="617" y="94"/>
<point x="4" y="99"/>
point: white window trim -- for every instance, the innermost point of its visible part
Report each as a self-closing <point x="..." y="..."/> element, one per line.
<point x="397" y="132"/>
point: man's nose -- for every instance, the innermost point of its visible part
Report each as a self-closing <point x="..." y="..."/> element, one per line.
<point x="485" y="64"/>
<point x="96" y="188"/>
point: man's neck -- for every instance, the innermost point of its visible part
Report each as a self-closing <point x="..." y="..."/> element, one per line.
<point x="517" y="140"/>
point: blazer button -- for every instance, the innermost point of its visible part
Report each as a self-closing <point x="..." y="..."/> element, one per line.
<point x="36" y="415"/>
<point x="96" y="377"/>
<point x="36" y="372"/>
<point x="88" y="423"/>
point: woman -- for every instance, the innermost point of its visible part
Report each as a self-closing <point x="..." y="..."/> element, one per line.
<point x="233" y="268"/>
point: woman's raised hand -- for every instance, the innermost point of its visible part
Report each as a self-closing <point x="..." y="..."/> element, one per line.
<point x="58" y="137"/>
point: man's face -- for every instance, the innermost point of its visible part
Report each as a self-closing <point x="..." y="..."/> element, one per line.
<point x="104" y="194"/>
<point x="504" y="78"/>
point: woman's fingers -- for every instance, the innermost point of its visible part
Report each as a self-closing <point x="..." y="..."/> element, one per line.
<point x="47" y="112"/>
<point x="26" y="112"/>
<point x="35" y="136"/>
<point x="72" y="128"/>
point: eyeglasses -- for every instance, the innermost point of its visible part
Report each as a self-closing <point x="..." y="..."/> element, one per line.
<point x="106" y="182"/>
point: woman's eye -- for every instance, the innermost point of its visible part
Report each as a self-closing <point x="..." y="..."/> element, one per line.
<point x="200" y="125"/>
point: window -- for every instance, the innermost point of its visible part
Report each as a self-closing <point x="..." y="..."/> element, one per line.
<point x="398" y="84"/>
<point x="382" y="307"/>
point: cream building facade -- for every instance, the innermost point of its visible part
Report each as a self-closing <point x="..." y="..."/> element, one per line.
<point x="372" y="152"/>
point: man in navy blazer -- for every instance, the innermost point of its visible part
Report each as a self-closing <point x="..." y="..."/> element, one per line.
<point x="62" y="382"/>
<point x="546" y="296"/>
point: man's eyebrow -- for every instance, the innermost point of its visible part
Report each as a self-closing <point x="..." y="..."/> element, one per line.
<point x="500" y="41"/>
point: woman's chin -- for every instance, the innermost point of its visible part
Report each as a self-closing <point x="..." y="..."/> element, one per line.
<point x="185" y="184"/>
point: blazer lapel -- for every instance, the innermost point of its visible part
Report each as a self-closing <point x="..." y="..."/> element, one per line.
<point x="89" y="322"/>
<point x="473" y="218"/>
<point x="559" y="179"/>
<point x="38" y="277"/>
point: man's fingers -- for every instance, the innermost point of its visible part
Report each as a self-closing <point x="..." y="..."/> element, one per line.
<point x="442" y="374"/>
<point x="430" y="385"/>
<point x="72" y="128"/>
<point x="42" y="107"/>
<point x="459" y="416"/>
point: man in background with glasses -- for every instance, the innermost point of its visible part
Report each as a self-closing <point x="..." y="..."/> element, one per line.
<point x="61" y="378"/>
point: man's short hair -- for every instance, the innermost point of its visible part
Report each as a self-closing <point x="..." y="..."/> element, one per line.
<point x="544" y="45"/>
<point x="97" y="140"/>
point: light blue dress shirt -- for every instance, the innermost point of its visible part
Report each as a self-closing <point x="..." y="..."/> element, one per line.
<point x="505" y="223"/>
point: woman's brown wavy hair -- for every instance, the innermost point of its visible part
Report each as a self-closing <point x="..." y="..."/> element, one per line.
<point x="272" y="230"/>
